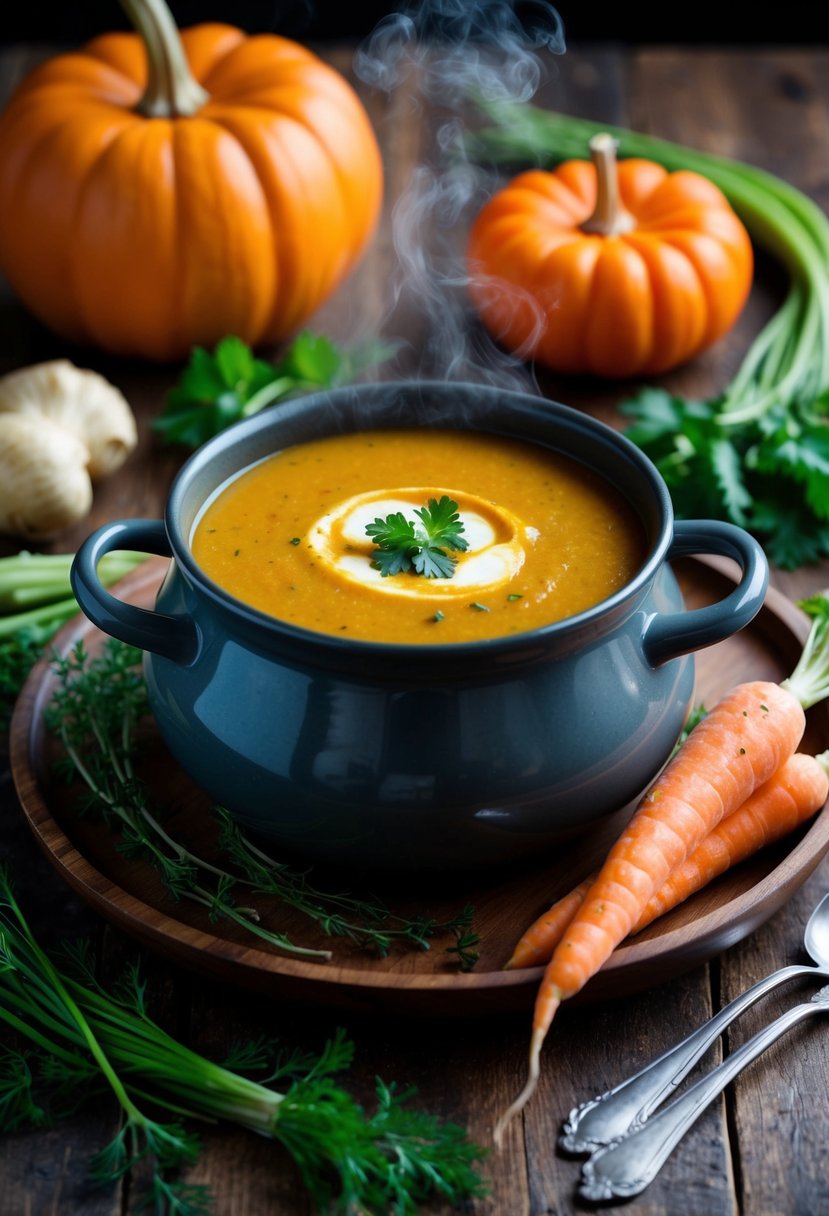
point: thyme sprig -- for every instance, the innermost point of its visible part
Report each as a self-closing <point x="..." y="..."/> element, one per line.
<point x="349" y="1160"/>
<point x="96" y="711"/>
<point x="365" y="921"/>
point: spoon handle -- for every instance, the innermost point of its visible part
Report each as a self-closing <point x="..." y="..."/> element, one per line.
<point x="595" y="1123"/>
<point x="624" y="1168"/>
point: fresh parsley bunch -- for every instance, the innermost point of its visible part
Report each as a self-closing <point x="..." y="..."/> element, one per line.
<point x="768" y="474"/>
<point x="219" y="388"/>
<point x="403" y="545"/>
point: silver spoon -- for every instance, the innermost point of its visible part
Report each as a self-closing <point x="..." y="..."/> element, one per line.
<point x="611" y="1115"/>
<point x="625" y="1167"/>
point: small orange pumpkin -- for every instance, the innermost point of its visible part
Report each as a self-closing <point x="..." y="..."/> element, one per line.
<point x="612" y="270"/>
<point x="159" y="191"/>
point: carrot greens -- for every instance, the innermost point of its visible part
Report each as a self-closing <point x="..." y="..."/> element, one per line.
<point x="736" y="783"/>
<point x="96" y="712"/>
<point x="85" y="1039"/>
<point x="758" y="454"/>
<point x="809" y="681"/>
<point x="419" y="548"/>
<point x="736" y="748"/>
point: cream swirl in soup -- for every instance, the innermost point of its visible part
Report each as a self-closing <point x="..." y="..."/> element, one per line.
<point x="496" y="543"/>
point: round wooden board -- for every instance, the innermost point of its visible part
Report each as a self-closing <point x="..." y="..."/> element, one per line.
<point x="129" y="894"/>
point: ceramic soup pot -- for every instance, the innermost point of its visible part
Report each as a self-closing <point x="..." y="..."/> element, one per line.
<point x="442" y="756"/>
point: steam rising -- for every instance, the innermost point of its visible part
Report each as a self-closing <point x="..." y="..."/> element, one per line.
<point x="442" y="52"/>
<point x="460" y="46"/>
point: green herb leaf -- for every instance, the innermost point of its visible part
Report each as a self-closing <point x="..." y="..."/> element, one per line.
<point x="817" y="607"/>
<point x="212" y="392"/>
<point x="18" y="656"/>
<point x="658" y="416"/>
<point x="406" y="546"/>
<point x="797" y="448"/>
<point x="393" y="534"/>
<point x="768" y="474"/>
<point x="432" y="562"/>
<point x="792" y="536"/>
<point x="313" y="359"/>
<point x="218" y="389"/>
<point x="728" y="474"/>
<point x="18" y="1105"/>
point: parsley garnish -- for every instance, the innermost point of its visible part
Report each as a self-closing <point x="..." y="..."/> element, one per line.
<point x="420" y="548"/>
<point x="767" y="474"/>
<point x="218" y="388"/>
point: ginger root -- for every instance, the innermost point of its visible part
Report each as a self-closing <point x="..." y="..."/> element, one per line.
<point x="80" y="401"/>
<point x="61" y="428"/>
<point x="44" y="483"/>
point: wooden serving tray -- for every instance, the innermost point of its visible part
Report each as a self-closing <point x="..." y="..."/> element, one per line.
<point x="129" y="894"/>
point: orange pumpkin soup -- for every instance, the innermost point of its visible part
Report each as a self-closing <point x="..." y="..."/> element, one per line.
<point x="543" y="537"/>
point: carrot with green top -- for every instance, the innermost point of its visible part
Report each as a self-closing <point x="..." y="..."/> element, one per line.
<point x="796" y="792"/>
<point x="734" y="750"/>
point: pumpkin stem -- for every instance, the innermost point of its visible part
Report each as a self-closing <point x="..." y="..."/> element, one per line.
<point x="172" y="91"/>
<point x="610" y="217"/>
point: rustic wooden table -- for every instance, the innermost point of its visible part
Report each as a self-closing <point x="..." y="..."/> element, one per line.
<point x="760" y="1150"/>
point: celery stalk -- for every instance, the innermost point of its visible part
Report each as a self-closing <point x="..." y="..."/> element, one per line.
<point x="35" y="591"/>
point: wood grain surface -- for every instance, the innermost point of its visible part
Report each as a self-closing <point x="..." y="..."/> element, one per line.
<point x="758" y="1151"/>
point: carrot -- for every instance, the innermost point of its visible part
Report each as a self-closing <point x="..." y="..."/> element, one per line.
<point x="795" y="792"/>
<point x="537" y="944"/>
<point x="735" y="749"/>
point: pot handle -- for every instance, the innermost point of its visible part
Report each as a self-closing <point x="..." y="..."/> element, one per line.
<point x="173" y="637"/>
<point x="668" y="635"/>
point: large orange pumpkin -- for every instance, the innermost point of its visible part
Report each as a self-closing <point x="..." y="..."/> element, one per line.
<point x="613" y="270"/>
<point x="158" y="191"/>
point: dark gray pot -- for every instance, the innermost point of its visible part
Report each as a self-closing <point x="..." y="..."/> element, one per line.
<point x="472" y="754"/>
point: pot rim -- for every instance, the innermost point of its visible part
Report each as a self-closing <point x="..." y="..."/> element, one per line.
<point x="567" y="418"/>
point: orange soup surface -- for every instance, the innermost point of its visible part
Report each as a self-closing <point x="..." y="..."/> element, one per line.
<point x="546" y="537"/>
